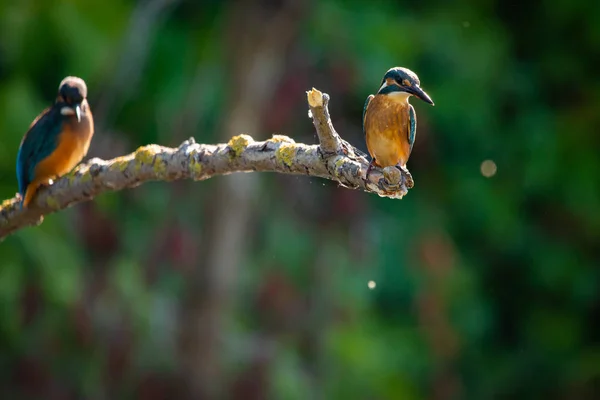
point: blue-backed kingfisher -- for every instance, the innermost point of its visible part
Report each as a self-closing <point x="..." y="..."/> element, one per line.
<point x="389" y="121"/>
<point x="57" y="140"/>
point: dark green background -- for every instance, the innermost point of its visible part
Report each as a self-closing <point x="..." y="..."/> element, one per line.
<point x="255" y="285"/>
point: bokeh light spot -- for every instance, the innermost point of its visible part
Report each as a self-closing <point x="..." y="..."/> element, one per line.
<point x="488" y="168"/>
<point x="372" y="285"/>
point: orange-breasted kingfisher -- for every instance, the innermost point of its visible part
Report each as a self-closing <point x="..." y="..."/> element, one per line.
<point x="389" y="121"/>
<point x="56" y="141"/>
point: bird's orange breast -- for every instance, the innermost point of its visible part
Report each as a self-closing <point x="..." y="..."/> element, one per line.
<point x="73" y="144"/>
<point x="387" y="123"/>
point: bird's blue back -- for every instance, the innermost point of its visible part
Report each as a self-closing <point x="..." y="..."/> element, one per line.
<point x="39" y="142"/>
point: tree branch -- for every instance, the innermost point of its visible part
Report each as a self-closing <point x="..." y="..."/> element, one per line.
<point x="333" y="159"/>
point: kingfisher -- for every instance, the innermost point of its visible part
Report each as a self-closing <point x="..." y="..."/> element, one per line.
<point x="389" y="121"/>
<point x="57" y="139"/>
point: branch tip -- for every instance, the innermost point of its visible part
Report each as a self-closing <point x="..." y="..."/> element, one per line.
<point x="315" y="98"/>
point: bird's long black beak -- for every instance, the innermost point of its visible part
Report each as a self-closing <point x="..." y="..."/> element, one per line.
<point x="77" y="109"/>
<point x="420" y="93"/>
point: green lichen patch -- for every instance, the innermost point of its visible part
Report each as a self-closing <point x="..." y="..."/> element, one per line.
<point x="119" y="164"/>
<point x="73" y="175"/>
<point x="51" y="202"/>
<point x="339" y="163"/>
<point x="194" y="166"/>
<point x="281" y="139"/>
<point x="285" y="154"/>
<point x="85" y="178"/>
<point x="9" y="202"/>
<point x="160" y="168"/>
<point x="144" y="156"/>
<point x="239" y="143"/>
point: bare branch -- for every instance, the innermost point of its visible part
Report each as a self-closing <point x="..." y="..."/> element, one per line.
<point x="333" y="159"/>
<point x="330" y="141"/>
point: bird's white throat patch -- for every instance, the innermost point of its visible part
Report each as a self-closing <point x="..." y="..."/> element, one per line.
<point x="67" y="111"/>
<point x="400" y="97"/>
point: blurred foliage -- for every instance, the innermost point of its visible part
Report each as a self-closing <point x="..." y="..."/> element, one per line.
<point x="485" y="287"/>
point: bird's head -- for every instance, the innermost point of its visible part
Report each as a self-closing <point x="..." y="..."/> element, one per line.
<point x="72" y="93"/>
<point x="403" y="82"/>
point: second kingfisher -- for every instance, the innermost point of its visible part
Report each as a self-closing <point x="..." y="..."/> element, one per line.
<point x="389" y="121"/>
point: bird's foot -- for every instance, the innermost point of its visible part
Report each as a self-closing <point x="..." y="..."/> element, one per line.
<point x="391" y="183"/>
<point x="395" y="182"/>
<point x="406" y="177"/>
<point x="392" y="179"/>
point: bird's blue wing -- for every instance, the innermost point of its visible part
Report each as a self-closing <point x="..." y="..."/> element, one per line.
<point x="38" y="143"/>
<point x="365" y="111"/>
<point x="412" y="131"/>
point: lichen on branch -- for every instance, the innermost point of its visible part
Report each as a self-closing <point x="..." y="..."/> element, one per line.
<point x="333" y="158"/>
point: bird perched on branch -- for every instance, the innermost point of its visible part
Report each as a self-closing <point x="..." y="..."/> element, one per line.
<point x="389" y="121"/>
<point x="57" y="140"/>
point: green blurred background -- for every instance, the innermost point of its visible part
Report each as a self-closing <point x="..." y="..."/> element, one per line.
<point x="256" y="285"/>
